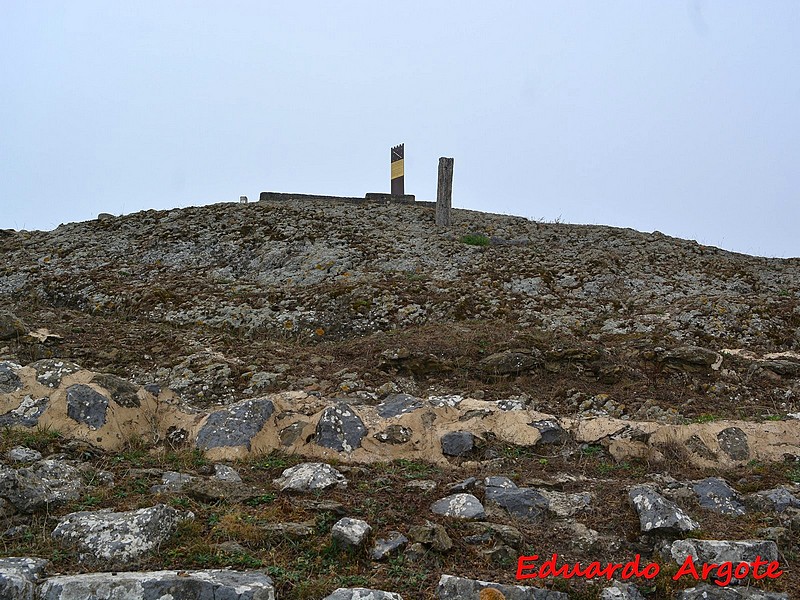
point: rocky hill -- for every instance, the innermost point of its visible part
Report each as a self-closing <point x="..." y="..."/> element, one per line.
<point x="461" y="397"/>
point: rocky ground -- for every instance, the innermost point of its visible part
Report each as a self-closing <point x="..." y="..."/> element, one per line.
<point x="460" y="397"/>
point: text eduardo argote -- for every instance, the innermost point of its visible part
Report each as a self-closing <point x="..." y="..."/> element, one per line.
<point x="529" y="567"/>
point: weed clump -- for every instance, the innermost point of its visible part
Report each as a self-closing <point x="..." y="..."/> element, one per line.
<point x="475" y="239"/>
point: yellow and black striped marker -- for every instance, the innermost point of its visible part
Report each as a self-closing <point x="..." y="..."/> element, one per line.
<point x="398" y="188"/>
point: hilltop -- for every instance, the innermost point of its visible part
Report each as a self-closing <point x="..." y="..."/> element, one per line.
<point x="574" y="360"/>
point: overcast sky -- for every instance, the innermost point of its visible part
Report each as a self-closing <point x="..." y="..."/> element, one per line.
<point x="679" y="116"/>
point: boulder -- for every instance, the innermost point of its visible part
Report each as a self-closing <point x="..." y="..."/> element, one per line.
<point x="172" y="481"/>
<point x="160" y="585"/>
<point x="459" y="506"/>
<point x="310" y="477"/>
<point x="621" y="591"/>
<point x="715" y="494"/>
<point x="19" y="577"/>
<point x="117" y="536"/>
<point x="459" y="588"/>
<point x="510" y="362"/>
<point x="340" y="428"/>
<point x="226" y="473"/>
<point x="457" y="443"/>
<point x="706" y="591"/>
<point x="26" y="414"/>
<point x="658" y="513"/>
<point x="42" y="485"/>
<point x="11" y="326"/>
<point x="692" y="359"/>
<point x="551" y="431"/>
<point x="776" y="500"/>
<point x="21" y="454"/>
<point x="398" y="404"/>
<point x="350" y="532"/>
<point x="431" y="535"/>
<point x="50" y="371"/>
<point x="86" y="405"/>
<point x="362" y="594"/>
<point x="122" y="392"/>
<point x="236" y="425"/>
<point x="523" y="503"/>
<point x="720" y="551"/>
<point x="9" y="379"/>
<point x="394" y="434"/>
<point x="733" y="442"/>
<point x="389" y="546"/>
<point x="483" y="532"/>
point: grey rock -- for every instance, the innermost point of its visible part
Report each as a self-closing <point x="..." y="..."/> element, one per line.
<point x="117" y="536"/>
<point x="50" y="371"/>
<point x="9" y="380"/>
<point x="658" y="513"/>
<point x="459" y="588"/>
<point x="415" y="552"/>
<point x="216" y="490"/>
<point x="621" y="591"/>
<point x="309" y="477"/>
<point x="19" y="577"/>
<point x="398" y="404"/>
<point x="460" y="506"/>
<point x="523" y="503"/>
<point x="26" y="414"/>
<point x="779" y="535"/>
<point x="482" y="532"/>
<point x="291" y="433"/>
<point x="715" y="494"/>
<point x="340" y="428"/>
<point x="566" y="505"/>
<point x="426" y="485"/>
<point x="292" y="530"/>
<point x="350" y="532"/>
<point x="463" y="486"/>
<point x="777" y="500"/>
<point x="432" y="535"/>
<point x="22" y="454"/>
<point x="733" y="442"/>
<point x="385" y="547"/>
<point x="698" y="446"/>
<point x="86" y="405"/>
<point x="361" y="594"/>
<point x="394" y="434"/>
<point x="511" y="362"/>
<point x="226" y="473"/>
<point x="159" y="585"/>
<point x="457" y="443"/>
<point x="122" y="392"/>
<point x="172" y="481"/>
<point x="785" y="368"/>
<point x="692" y="358"/>
<point x="719" y="551"/>
<point x="231" y="547"/>
<point x="11" y="326"/>
<point x="706" y="591"/>
<point x="235" y="425"/>
<point x="499" y="481"/>
<point x="551" y="431"/>
<point x="501" y="554"/>
<point x="47" y="483"/>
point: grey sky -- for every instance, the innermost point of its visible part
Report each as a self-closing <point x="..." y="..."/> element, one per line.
<point x="682" y="117"/>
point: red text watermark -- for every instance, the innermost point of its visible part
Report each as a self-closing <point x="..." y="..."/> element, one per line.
<point x="529" y="567"/>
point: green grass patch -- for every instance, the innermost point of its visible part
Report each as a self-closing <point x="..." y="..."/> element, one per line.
<point x="475" y="239"/>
